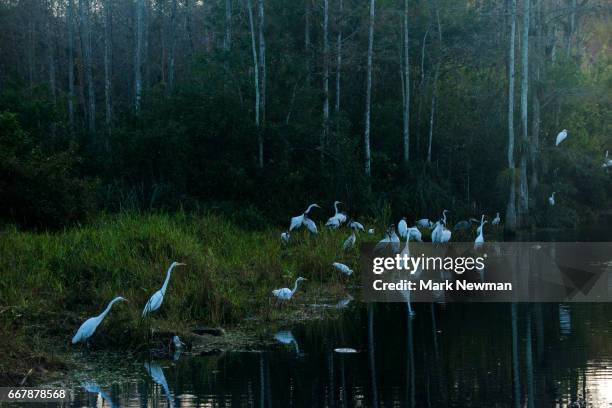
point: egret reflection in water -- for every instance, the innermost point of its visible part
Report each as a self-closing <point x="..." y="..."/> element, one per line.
<point x="286" y="337"/>
<point x="94" y="388"/>
<point x="157" y="374"/>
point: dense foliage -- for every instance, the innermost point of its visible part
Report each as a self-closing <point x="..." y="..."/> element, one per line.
<point x="195" y="145"/>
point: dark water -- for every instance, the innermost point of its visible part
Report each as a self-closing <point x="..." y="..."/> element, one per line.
<point x="447" y="355"/>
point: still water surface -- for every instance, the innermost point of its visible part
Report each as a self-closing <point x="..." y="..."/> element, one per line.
<point x="457" y="355"/>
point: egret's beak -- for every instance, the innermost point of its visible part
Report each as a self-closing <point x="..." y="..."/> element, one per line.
<point x="181" y="264"/>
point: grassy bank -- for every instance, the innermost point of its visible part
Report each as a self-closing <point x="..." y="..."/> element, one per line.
<point x="51" y="282"/>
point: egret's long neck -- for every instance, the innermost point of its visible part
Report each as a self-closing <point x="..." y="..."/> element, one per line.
<point x="297" y="282"/>
<point x="336" y="205"/>
<point x="163" y="289"/>
<point x="108" y="308"/>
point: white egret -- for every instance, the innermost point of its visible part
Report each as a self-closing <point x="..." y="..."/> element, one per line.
<point x="350" y="241"/>
<point x="383" y="243"/>
<point x="296" y="222"/>
<point x="395" y="241"/>
<point x="496" y="220"/>
<point x="561" y="137"/>
<point x="344" y="302"/>
<point x="371" y="231"/>
<point x="445" y="236"/>
<point x="338" y="218"/>
<point x="436" y="233"/>
<point x="343" y="268"/>
<point x="285" y="237"/>
<point x="88" y="328"/>
<point x="424" y="223"/>
<point x="177" y="343"/>
<point x="402" y="228"/>
<point x="444" y="217"/>
<point x="286" y="293"/>
<point x="156" y="300"/>
<point x="356" y="226"/>
<point x="482" y="220"/>
<point x="607" y="162"/>
<point x="551" y="199"/>
<point x="310" y="225"/>
<point x="415" y="234"/>
<point x="479" y="241"/>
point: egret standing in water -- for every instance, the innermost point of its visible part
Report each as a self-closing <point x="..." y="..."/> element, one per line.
<point x="286" y="293"/>
<point x="296" y="222"/>
<point x="561" y="137"/>
<point x="551" y="199"/>
<point x="479" y="241"/>
<point x="156" y="300"/>
<point x="88" y="328"/>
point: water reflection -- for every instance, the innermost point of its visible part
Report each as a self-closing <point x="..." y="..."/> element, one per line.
<point x="457" y="355"/>
<point x="93" y="388"/>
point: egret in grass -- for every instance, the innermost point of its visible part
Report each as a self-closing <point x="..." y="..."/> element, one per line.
<point x="354" y="225"/>
<point x="286" y="293"/>
<point x="156" y="300"/>
<point x="310" y="225"/>
<point x="285" y="237"/>
<point x="496" y="220"/>
<point x="371" y="231"/>
<point x="350" y="241"/>
<point x="551" y="199"/>
<point x="402" y="228"/>
<point x="338" y="218"/>
<point x="414" y="233"/>
<point x="607" y="162"/>
<point x="561" y="137"/>
<point x="297" y="221"/>
<point x="343" y="268"/>
<point x="88" y="328"/>
<point x="177" y="343"/>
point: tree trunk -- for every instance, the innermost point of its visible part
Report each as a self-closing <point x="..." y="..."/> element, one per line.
<point x="325" y="133"/>
<point x="256" y="80"/>
<point x="138" y="56"/>
<point x="171" y="57"/>
<point x="86" y="39"/>
<point x="535" y="142"/>
<point x="434" y="95"/>
<point x="339" y="55"/>
<point x="262" y="61"/>
<point x="108" y="58"/>
<point x="511" y="207"/>
<point x="368" y="104"/>
<point x="69" y="23"/>
<point x="50" y="52"/>
<point x="523" y="209"/>
<point x="227" y="41"/>
<point x="406" y="83"/>
<point x="307" y="38"/>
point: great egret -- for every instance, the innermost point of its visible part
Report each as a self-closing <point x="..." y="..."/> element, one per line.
<point x="402" y="227"/>
<point x="88" y="328"/>
<point x="561" y="137"/>
<point x="310" y="225"/>
<point x="286" y="293"/>
<point x="424" y="223"/>
<point x="156" y="300"/>
<point x="479" y="241"/>
<point x="415" y="234"/>
<point x="177" y="343"/>
<point x="285" y="237"/>
<point x="338" y="218"/>
<point x="551" y="199"/>
<point x="607" y="162"/>
<point x="356" y="226"/>
<point x="496" y="220"/>
<point x="435" y="234"/>
<point x="296" y="222"/>
<point x="395" y="241"/>
<point x="482" y="220"/>
<point x="350" y="241"/>
<point x="371" y="231"/>
<point x="343" y="268"/>
<point x="444" y="217"/>
<point x="383" y="243"/>
<point x="286" y="337"/>
<point x="445" y="235"/>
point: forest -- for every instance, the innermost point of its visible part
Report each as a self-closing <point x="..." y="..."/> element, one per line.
<point x="252" y="109"/>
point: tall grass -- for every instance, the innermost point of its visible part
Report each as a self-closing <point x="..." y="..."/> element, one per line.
<point x="55" y="280"/>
